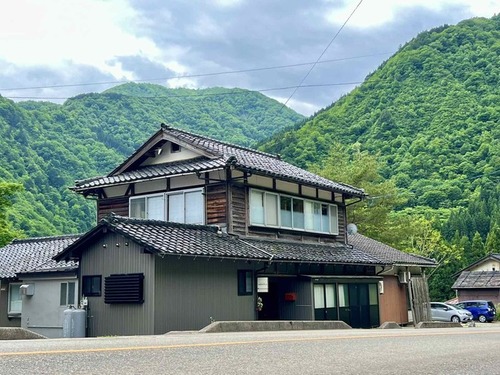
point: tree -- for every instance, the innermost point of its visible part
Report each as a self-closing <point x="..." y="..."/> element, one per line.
<point x="492" y="244"/>
<point x="7" y="191"/>
<point x="358" y="168"/>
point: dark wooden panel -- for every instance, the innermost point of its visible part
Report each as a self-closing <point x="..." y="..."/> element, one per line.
<point x="239" y="209"/>
<point x="118" y="206"/>
<point x="216" y="199"/>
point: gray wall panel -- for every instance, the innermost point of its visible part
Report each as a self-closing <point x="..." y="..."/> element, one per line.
<point x="191" y="291"/>
<point x="119" y="319"/>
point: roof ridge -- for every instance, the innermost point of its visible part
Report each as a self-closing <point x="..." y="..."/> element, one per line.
<point x="169" y="127"/>
<point x="44" y="238"/>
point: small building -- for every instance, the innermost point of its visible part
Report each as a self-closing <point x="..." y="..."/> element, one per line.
<point x="480" y="280"/>
<point x="35" y="289"/>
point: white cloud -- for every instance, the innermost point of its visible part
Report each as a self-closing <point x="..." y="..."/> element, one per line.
<point x="58" y="32"/>
<point x="377" y="13"/>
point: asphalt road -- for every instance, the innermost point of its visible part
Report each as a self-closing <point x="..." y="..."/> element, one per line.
<point x="467" y="350"/>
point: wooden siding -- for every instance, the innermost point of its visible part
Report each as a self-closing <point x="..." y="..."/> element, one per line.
<point x="118" y="206"/>
<point x="216" y="204"/>
<point x="190" y="292"/>
<point x="393" y="302"/>
<point x="121" y="319"/>
<point x="239" y="206"/>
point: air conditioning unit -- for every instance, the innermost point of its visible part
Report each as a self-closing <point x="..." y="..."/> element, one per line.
<point x="403" y="277"/>
<point x="27" y="289"/>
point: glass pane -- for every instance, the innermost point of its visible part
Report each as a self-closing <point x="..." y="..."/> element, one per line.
<point x="298" y="213"/>
<point x="155" y="208"/>
<point x="317" y="217"/>
<point x="96" y="285"/>
<point x="257" y="207"/>
<point x="138" y="208"/>
<point x="248" y="282"/>
<point x="325" y="219"/>
<point x="286" y="211"/>
<point x="195" y="212"/>
<point x="309" y="215"/>
<point x="330" y="295"/>
<point x="373" y="294"/>
<point x="176" y="208"/>
<point x="319" y="297"/>
<point x="343" y="295"/>
<point x="71" y="293"/>
<point x="15" y="300"/>
<point x="334" y="220"/>
<point x="271" y="209"/>
<point x="62" y="298"/>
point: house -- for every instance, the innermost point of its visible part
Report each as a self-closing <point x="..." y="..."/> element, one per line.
<point x="480" y="280"/>
<point x="35" y="290"/>
<point x="191" y="230"/>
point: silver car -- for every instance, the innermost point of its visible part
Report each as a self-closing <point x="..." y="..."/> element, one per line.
<point x="448" y="313"/>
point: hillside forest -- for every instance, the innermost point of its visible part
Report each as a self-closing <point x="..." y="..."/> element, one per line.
<point x="420" y="135"/>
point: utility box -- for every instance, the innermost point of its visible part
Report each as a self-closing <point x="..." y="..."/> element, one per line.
<point x="27" y="289"/>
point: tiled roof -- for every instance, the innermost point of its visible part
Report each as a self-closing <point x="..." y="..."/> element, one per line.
<point x="313" y="252"/>
<point x="199" y="164"/>
<point x="34" y="254"/>
<point x="166" y="238"/>
<point x="386" y="253"/>
<point x="478" y="280"/>
<point x="220" y="154"/>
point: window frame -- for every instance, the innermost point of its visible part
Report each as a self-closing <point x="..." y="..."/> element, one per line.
<point x="11" y="312"/>
<point x="66" y="295"/>
<point x="85" y="282"/>
<point x="245" y="283"/>
<point x="165" y="209"/>
<point x="333" y="212"/>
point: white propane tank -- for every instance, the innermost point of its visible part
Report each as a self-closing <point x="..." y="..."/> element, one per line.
<point x="74" y="322"/>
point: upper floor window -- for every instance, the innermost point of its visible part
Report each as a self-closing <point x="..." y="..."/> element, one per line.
<point x="283" y="211"/>
<point x="186" y="206"/>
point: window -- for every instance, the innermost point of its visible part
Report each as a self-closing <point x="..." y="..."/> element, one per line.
<point x="245" y="282"/>
<point x="91" y="286"/>
<point x="294" y="213"/>
<point x="67" y="294"/>
<point x="185" y="206"/>
<point x="15" y="299"/>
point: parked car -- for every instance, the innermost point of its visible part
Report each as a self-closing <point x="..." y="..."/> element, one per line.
<point x="448" y="313"/>
<point x="481" y="310"/>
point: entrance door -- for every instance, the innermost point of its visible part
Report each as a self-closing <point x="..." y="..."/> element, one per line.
<point x="325" y="306"/>
<point x="358" y="304"/>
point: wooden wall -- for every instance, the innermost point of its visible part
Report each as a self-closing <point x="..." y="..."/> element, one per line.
<point x="393" y="302"/>
<point x="117" y="205"/>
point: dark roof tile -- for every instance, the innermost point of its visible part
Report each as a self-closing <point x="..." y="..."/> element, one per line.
<point x="34" y="254"/>
<point x="221" y="153"/>
<point x="477" y="280"/>
<point x="387" y="253"/>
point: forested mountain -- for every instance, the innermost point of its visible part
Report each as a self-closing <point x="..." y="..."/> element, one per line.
<point x="46" y="146"/>
<point x="430" y="116"/>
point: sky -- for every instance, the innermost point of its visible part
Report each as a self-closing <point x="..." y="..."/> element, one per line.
<point x="305" y="53"/>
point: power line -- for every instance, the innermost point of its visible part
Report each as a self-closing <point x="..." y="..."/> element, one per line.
<point x="232" y="92"/>
<point x="239" y="71"/>
<point x="322" y="53"/>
